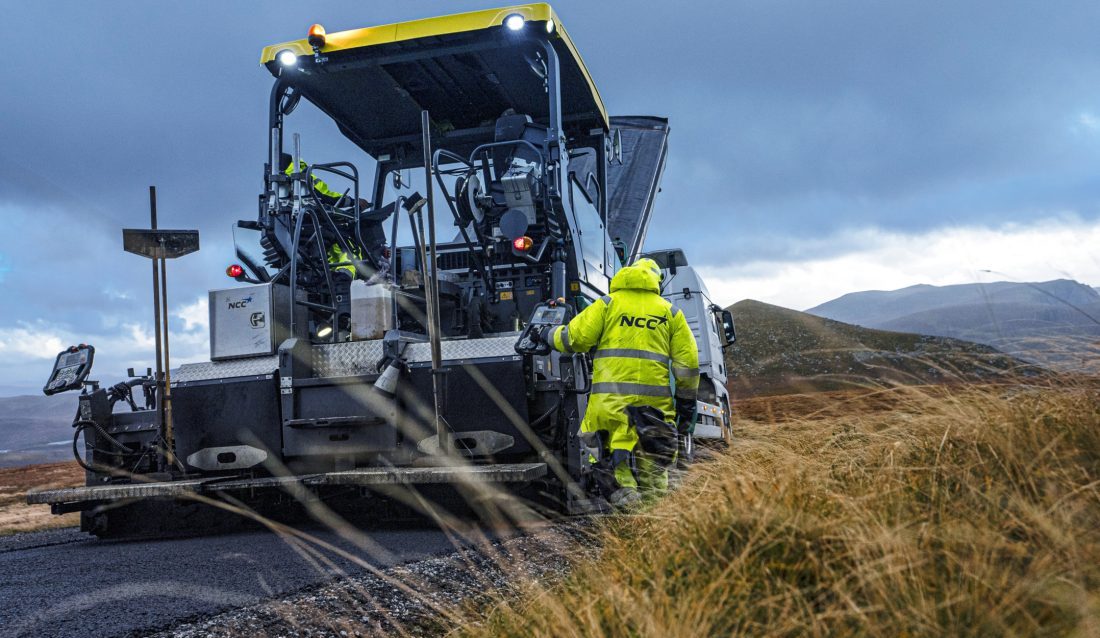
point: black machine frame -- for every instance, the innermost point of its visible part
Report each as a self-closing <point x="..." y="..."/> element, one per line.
<point x="319" y="425"/>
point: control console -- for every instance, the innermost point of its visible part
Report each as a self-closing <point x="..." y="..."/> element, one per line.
<point x="70" y="369"/>
<point x="545" y="315"/>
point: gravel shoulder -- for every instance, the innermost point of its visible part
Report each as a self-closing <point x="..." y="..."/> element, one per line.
<point x="419" y="598"/>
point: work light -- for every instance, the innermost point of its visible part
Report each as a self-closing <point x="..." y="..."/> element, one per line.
<point x="514" y="22"/>
<point x="288" y="57"/>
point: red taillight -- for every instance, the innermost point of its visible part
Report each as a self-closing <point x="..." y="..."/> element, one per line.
<point x="234" y="271"/>
<point x="317" y="36"/>
<point x="522" y="244"/>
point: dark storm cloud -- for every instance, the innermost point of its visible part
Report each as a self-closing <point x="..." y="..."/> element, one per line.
<point x="799" y="119"/>
<point x="791" y="121"/>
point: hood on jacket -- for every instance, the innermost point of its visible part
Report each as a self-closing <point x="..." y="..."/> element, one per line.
<point x="643" y="274"/>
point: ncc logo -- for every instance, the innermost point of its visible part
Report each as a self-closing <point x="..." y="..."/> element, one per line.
<point x="243" y="303"/>
<point x="649" y="322"/>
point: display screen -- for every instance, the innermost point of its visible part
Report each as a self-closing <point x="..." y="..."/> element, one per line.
<point x="73" y="359"/>
<point x="549" y="315"/>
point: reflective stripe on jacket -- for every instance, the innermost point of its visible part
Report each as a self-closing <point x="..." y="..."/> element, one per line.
<point x="638" y="341"/>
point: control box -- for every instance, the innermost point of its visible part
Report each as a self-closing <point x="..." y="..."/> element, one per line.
<point x="544" y="316"/>
<point x="70" y="368"/>
<point x="251" y="321"/>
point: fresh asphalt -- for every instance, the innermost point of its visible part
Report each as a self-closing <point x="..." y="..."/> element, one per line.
<point x="66" y="583"/>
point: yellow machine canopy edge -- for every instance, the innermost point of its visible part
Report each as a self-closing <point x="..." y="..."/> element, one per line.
<point x="442" y="25"/>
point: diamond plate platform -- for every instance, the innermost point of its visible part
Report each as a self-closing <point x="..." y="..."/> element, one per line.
<point x="465" y="349"/>
<point x="464" y="474"/>
<point x="114" y="492"/>
<point x="346" y="359"/>
<point x="503" y="473"/>
<point x="206" y="371"/>
<point x="349" y="359"/>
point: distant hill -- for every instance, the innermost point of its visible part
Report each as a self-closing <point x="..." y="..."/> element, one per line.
<point x="780" y="350"/>
<point x="1053" y="323"/>
<point x="36" y="429"/>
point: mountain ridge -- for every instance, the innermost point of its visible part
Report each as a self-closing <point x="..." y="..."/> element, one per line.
<point x="1053" y="323"/>
<point x="780" y="350"/>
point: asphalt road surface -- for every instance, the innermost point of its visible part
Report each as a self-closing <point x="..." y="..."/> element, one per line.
<point x="65" y="583"/>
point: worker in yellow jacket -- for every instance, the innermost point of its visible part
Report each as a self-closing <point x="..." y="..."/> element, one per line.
<point x="644" y="355"/>
<point x="321" y="190"/>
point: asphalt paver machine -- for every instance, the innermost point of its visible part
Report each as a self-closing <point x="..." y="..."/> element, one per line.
<point x="345" y="364"/>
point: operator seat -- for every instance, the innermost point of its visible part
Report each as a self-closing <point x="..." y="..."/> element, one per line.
<point x="516" y="126"/>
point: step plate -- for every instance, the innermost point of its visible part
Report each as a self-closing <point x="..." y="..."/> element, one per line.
<point x="503" y="473"/>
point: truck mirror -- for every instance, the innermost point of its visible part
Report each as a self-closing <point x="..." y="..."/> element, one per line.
<point x="513" y="224"/>
<point x="289" y="100"/>
<point x="617" y="147"/>
<point x="729" y="332"/>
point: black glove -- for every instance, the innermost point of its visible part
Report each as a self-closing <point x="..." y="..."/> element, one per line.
<point x="537" y="340"/>
<point x="545" y="334"/>
<point x="685" y="415"/>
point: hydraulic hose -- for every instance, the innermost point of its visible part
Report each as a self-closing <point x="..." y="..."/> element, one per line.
<point x="84" y="424"/>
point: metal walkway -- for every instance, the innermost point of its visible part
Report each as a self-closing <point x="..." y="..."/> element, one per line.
<point x="503" y="473"/>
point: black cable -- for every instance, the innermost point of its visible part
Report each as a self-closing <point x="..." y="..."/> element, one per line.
<point x="546" y="414"/>
<point x="82" y="425"/>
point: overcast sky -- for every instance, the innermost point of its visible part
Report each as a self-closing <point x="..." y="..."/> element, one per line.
<point x="817" y="148"/>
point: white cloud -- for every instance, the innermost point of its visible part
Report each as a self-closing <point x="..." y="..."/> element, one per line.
<point x="1089" y="121"/>
<point x="1053" y="248"/>
<point x="29" y="343"/>
<point x="27" y="349"/>
<point x="196" y="315"/>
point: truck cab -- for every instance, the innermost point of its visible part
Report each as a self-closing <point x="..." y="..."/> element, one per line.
<point x="714" y="332"/>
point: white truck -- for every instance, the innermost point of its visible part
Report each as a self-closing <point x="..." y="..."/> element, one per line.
<point x="714" y="332"/>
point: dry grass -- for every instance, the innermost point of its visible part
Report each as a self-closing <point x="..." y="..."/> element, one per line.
<point x="912" y="512"/>
<point x="15" y="515"/>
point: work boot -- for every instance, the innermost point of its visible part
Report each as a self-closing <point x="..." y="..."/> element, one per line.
<point x="625" y="498"/>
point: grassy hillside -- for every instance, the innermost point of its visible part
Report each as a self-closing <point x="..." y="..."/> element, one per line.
<point x="959" y="511"/>
<point x="780" y="350"/>
<point x="36" y="429"/>
<point x="15" y="515"/>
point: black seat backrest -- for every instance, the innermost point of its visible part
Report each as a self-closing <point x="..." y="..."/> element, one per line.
<point x="511" y="127"/>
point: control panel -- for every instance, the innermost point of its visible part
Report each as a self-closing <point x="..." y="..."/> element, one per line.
<point x="545" y="315"/>
<point x="70" y="369"/>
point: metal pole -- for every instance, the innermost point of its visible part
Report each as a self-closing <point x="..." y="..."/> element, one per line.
<point x="156" y="317"/>
<point x="169" y="433"/>
<point x="432" y="292"/>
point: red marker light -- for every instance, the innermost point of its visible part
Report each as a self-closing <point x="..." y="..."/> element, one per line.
<point x="234" y="271"/>
<point x="523" y="244"/>
<point x="317" y="36"/>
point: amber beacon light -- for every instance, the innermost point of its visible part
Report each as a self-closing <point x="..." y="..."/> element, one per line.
<point x="316" y="36"/>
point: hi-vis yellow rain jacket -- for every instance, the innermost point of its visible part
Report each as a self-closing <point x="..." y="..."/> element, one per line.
<point x="637" y="339"/>
<point x="336" y="255"/>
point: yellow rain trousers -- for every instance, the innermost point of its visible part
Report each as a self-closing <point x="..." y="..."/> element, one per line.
<point x="639" y="343"/>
